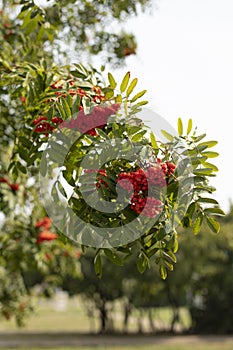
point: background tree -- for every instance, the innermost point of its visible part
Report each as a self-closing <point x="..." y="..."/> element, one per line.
<point x="83" y="35"/>
<point x="36" y="34"/>
<point x="211" y="285"/>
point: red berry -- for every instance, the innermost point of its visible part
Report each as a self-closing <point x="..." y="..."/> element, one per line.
<point x="46" y="236"/>
<point x="46" y="223"/>
<point x="14" y="187"/>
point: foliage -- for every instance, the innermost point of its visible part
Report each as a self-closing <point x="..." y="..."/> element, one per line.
<point x="53" y="97"/>
<point x="212" y="287"/>
<point x="84" y="33"/>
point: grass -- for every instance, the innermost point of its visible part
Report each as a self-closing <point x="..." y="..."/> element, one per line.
<point x="49" y="317"/>
<point x="73" y="318"/>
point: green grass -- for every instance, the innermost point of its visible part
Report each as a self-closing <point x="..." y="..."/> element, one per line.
<point x="74" y="318"/>
<point x="47" y="318"/>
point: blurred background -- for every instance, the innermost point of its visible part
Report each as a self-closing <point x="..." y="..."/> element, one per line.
<point x="182" y="54"/>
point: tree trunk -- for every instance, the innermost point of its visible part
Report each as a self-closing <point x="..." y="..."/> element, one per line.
<point x="140" y="318"/>
<point x="175" y="309"/>
<point x="151" y="321"/>
<point x="127" y="312"/>
<point x="90" y="315"/>
<point x="175" y="318"/>
<point x="103" y="317"/>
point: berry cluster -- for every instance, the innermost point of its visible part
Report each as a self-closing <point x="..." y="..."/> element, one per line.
<point x="7" y="30"/>
<point x="42" y="125"/>
<point x="45" y="234"/>
<point x="13" y="186"/>
<point x="72" y="91"/>
<point x="139" y="180"/>
<point x="97" y="118"/>
<point x="129" y="51"/>
<point x="168" y="167"/>
<point x="100" y="180"/>
<point x="148" y="206"/>
<point x="46" y="223"/>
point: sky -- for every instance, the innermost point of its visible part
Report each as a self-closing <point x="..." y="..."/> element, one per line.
<point x="185" y="61"/>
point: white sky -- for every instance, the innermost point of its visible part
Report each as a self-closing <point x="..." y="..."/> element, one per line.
<point x="185" y="61"/>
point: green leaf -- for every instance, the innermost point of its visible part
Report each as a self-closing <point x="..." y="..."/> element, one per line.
<point x="61" y="189"/>
<point x="210" y="154"/>
<point x="198" y="138"/>
<point x="214" y="211"/>
<point x="14" y="172"/>
<point x="125" y="82"/>
<point x="25" y="141"/>
<point x="191" y="209"/>
<point x="169" y="265"/>
<point x="163" y="272"/>
<point x="25" y="7"/>
<point x="66" y="107"/>
<point x="109" y="94"/>
<point x="201" y="148"/>
<point x="43" y="165"/>
<point x="138" y="95"/>
<point x="21" y="168"/>
<point x="76" y="104"/>
<point x="180" y="127"/>
<point x="207" y="200"/>
<point x="213" y="224"/>
<point x="118" y="99"/>
<point x="56" y="156"/>
<point x="98" y="265"/>
<point x="54" y="193"/>
<point x="29" y="27"/>
<point x="81" y="71"/>
<point x="112" y="81"/>
<point x="208" y="144"/>
<point x="141" y="263"/>
<point x="153" y="141"/>
<point x="34" y="13"/>
<point x="203" y="171"/>
<point x="50" y="113"/>
<point x="138" y="137"/>
<point x="113" y="257"/>
<point x="141" y="103"/>
<point x="198" y="160"/>
<point x="176" y="245"/>
<point x="190" y="126"/>
<point x="171" y="255"/>
<point x="61" y="111"/>
<point x="167" y="135"/>
<point x="86" y="104"/>
<point x="197" y="224"/>
<point x="103" y="134"/>
<point x="210" y="165"/>
<point x="23" y="152"/>
<point x="131" y="86"/>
